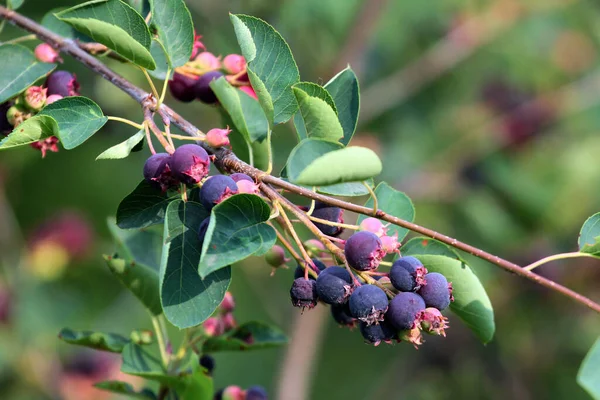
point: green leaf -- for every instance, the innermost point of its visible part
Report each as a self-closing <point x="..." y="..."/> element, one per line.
<point x="143" y="246"/>
<point x="271" y="66"/>
<point x="123" y="149"/>
<point x="350" y="164"/>
<point x="428" y="246"/>
<point x="236" y="230"/>
<point x="196" y="385"/>
<point x="305" y="152"/>
<point x="588" y="376"/>
<point x="162" y="62"/>
<point x="248" y="336"/>
<point x="139" y="361"/>
<point x="319" y="118"/>
<point x="471" y="303"/>
<point x="20" y="69"/>
<point x="96" y="340"/>
<point x="14" y="4"/>
<point x="348" y="189"/>
<point x="123" y="388"/>
<point x="395" y="203"/>
<point x="116" y="25"/>
<point x="345" y="93"/>
<point x="51" y="22"/>
<point x="30" y="131"/>
<point x="141" y="6"/>
<point x="143" y="207"/>
<point x="245" y="112"/>
<point x="173" y="22"/>
<point x="187" y="299"/>
<point x="589" y="236"/>
<point x="78" y="118"/>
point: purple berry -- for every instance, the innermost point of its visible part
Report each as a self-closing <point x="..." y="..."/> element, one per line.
<point x="404" y="310"/>
<point x="332" y="214"/>
<point x="157" y="171"/>
<point x="62" y="83"/>
<point x="207" y="362"/>
<point x="216" y="189"/>
<point x="190" y="163"/>
<point x="341" y="315"/>
<point x="256" y="393"/>
<point x="334" y="285"/>
<point x="183" y="87"/>
<point x="364" y="251"/>
<point x="436" y="293"/>
<point x="407" y="274"/>
<point x="238" y="176"/>
<point x="299" y="272"/>
<point x="202" y="230"/>
<point x="304" y="293"/>
<point x="368" y="303"/>
<point x="377" y="333"/>
<point x="203" y="91"/>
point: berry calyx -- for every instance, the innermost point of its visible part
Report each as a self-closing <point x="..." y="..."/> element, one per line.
<point x="407" y="274"/>
<point x="404" y="311"/>
<point x="334" y="285"/>
<point x="218" y="137"/>
<point x="63" y="83"/>
<point x="45" y="145"/>
<point x="190" y="163"/>
<point x="304" y="293"/>
<point x="183" y="87"/>
<point x="413" y="336"/>
<point x="437" y="292"/>
<point x="368" y="303"/>
<point x="216" y="189"/>
<point x="157" y="171"/>
<point x="203" y="91"/>
<point x="364" y="251"/>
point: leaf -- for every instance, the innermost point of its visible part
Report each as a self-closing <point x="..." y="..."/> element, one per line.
<point x="345" y="93"/>
<point x="141" y="6"/>
<point x="348" y="189"/>
<point x="139" y="361"/>
<point x="20" y="69"/>
<point x="395" y="203"/>
<point x="271" y="66"/>
<point x="305" y="153"/>
<point x="30" y="131"/>
<point x="111" y="342"/>
<point x="124" y="388"/>
<point x="173" y="22"/>
<point x="428" y="246"/>
<point x="116" y="25"/>
<point x="143" y="246"/>
<point x="248" y="336"/>
<point x="589" y="236"/>
<point x="14" y="4"/>
<point x="471" y="303"/>
<point x="78" y="118"/>
<point x="197" y="385"/>
<point x="350" y="164"/>
<point x="123" y="149"/>
<point x="244" y="111"/>
<point x="319" y="118"/>
<point x="187" y="300"/>
<point x="236" y="230"/>
<point x="588" y="376"/>
<point x="143" y="207"/>
<point x="51" y="22"/>
<point x="162" y="62"/>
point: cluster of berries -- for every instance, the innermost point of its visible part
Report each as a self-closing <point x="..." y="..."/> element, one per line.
<point x="396" y="305"/>
<point x="192" y="81"/>
<point x="58" y="84"/>
<point x="237" y="393"/>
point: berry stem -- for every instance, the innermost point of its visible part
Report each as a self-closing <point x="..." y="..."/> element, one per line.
<point x="20" y="39"/>
<point x="386" y="263"/>
<point x="126" y="121"/>
<point x="149" y="138"/>
<point x="561" y="256"/>
<point x="148" y="117"/>
<point x="164" y="89"/>
<point x="182" y="137"/>
<point x="161" y="341"/>
<point x="313" y="204"/>
<point x="270" y="153"/>
<point x="373" y="196"/>
<point x="288" y="246"/>
<point x="331" y="223"/>
<point x="152" y="87"/>
<point x="290" y="228"/>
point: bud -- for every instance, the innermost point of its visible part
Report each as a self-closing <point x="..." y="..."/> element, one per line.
<point x="207" y="61"/>
<point x="17" y="114"/>
<point x="228" y="304"/>
<point x="433" y="322"/>
<point x="234" y="64"/>
<point x="213" y="327"/>
<point x="52" y="98"/>
<point x="247" y="187"/>
<point x="412" y="336"/>
<point x="46" y="53"/>
<point x="229" y="322"/>
<point x="141" y="337"/>
<point x="233" y="393"/>
<point x="218" y="137"/>
<point x="249" y="91"/>
<point x="275" y="257"/>
<point x="373" y="225"/>
<point x="315" y="248"/>
<point x="34" y="97"/>
<point x="198" y="45"/>
<point x="390" y="244"/>
<point x="44" y="145"/>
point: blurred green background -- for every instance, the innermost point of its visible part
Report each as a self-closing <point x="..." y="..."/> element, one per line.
<point x="486" y="113"/>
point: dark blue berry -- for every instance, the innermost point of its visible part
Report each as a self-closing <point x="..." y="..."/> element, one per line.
<point x="238" y="176"/>
<point x="377" y="333"/>
<point x="364" y="251"/>
<point x="299" y="271"/>
<point x="368" y="303"/>
<point x="341" y="315"/>
<point x="216" y="189"/>
<point x="256" y="393"/>
<point x="332" y="214"/>
<point x="183" y="88"/>
<point x="203" y="91"/>
<point x="407" y="274"/>
<point x="190" y="163"/>
<point x="304" y="293"/>
<point x="334" y="285"/>
<point x="62" y="83"/>
<point x="207" y="362"/>
<point x="404" y="310"/>
<point x="157" y="172"/>
<point x="435" y="292"/>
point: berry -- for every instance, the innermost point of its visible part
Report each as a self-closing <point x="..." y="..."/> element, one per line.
<point x="190" y="163"/>
<point x="218" y="137"/>
<point x="299" y="272"/>
<point x="34" y="97"/>
<point x="206" y="61"/>
<point x="333" y="214"/>
<point x="275" y="257"/>
<point x="17" y="114"/>
<point x="436" y="293"/>
<point x="202" y="230"/>
<point x="407" y="274"/>
<point x="304" y="293"/>
<point x="247" y="187"/>
<point x="404" y="310"/>
<point x="213" y="326"/>
<point x="249" y="91"/>
<point x="234" y="64"/>
<point x="157" y="171"/>
<point x="334" y="285"/>
<point x="183" y="87"/>
<point x="229" y="322"/>
<point x="203" y="91"/>
<point x="364" y="251"/>
<point x="207" y="362"/>
<point x="373" y="225"/>
<point x="52" y="98"/>
<point x="256" y="393"/>
<point x="390" y="244"/>
<point x="238" y="176"/>
<point x="5" y="125"/>
<point x="228" y="303"/>
<point x="433" y="322"/>
<point x="368" y="303"/>
<point x="63" y="83"/>
<point x="341" y="315"/>
<point x="231" y="393"/>
<point x="377" y="333"/>
<point x="315" y="248"/>
<point x="46" y="53"/>
<point x="216" y="189"/>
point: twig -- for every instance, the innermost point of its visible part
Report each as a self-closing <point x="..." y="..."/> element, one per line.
<point x="562" y="256"/>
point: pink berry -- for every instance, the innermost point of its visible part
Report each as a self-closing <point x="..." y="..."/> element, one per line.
<point x="234" y="64"/>
<point x="52" y="98"/>
<point x="46" y="53"/>
<point x="390" y="244"/>
<point x="373" y="225"/>
<point x="34" y="97"/>
<point x="213" y="327"/>
<point x="218" y="137"/>
<point x="233" y="393"/>
<point x="207" y="61"/>
<point x="247" y="187"/>
<point x="228" y="304"/>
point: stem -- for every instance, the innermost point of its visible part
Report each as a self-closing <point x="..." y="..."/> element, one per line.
<point x="126" y="121"/>
<point x="250" y="154"/>
<point x="386" y="263"/>
<point x="313" y="204"/>
<point x="288" y="246"/>
<point x="148" y="117"/>
<point x="164" y="89"/>
<point x="331" y="223"/>
<point x="152" y="87"/>
<point x="309" y="267"/>
<point x="561" y="256"/>
<point x="182" y="137"/>
<point x="161" y="341"/>
<point x="373" y="196"/>
<point x="149" y="138"/>
<point x="21" y="39"/>
<point x="270" y="153"/>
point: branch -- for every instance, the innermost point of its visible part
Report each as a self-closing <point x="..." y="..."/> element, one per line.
<point x="227" y="161"/>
